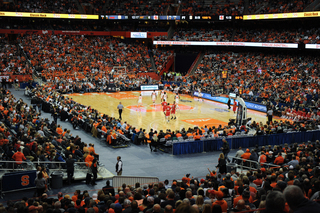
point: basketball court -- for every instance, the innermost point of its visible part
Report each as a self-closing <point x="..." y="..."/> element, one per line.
<point x="192" y="111"/>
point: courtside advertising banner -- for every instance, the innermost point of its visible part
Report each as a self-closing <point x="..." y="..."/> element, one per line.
<point x="312" y="46"/>
<point x="282" y="15"/>
<point x="239" y="44"/>
<point x="47" y="15"/>
<point x="138" y="35"/>
<point x="250" y="105"/>
<point x="149" y="87"/>
<point x="18" y="180"/>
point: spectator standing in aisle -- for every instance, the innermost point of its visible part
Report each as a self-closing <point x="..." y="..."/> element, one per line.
<point x="119" y="166"/>
<point x="40" y="183"/>
<point x="16" y="84"/>
<point x="222" y="165"/>
<point x="225" y="149"/>
<point x="94" y="169"/>
<point x="70" y="168"/>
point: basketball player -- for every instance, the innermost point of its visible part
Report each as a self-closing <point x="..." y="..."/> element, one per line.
<point x="176" y="100"/>
<point x="140" y="101"/>
<point x="167" y="111"/>
<point x="173" y="111"/>
<point x="164" y="105"/>
<point x="154" y="97"/>
<point x="176" y="89"/>
<point x="200" y="94"/>
<point x="161" y="95"/>
<point x="165" y="96"/>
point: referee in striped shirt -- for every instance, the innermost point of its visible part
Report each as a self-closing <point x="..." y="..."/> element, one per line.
<point x="120" y="108"/>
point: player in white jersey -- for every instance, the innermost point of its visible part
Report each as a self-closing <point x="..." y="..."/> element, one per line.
<point x="161" y="95"/>
<point x="176" y="100"/>
<point x="154" y="97"/>
<point x="140" y="100"/>
<point x="199" y="94"/>
<point x="165" y="96"/>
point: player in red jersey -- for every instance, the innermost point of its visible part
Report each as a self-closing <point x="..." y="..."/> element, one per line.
<point x="173" y="111"/>
<point x="167" y="111"/>
<point x="164" y="104"/>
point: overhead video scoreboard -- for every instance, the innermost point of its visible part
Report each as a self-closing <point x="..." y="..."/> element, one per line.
<point x="171" y="18"/>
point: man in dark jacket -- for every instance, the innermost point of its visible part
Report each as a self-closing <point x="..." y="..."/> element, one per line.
<point x="170" y="200"/>
<point x="297" y="202"/>
<point x="225" y="149"/>
<point x="70" y="168"/>
<point x="108" y="188"/>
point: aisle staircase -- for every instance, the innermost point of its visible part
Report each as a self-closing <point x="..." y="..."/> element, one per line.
<point x="195" y="64"/>
<point x="313" y="6"/>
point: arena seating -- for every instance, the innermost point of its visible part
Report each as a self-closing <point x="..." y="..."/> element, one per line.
<point x="37" y="6"/>
<point x="136" y="7"/>
<point x="13" y="61"/>
<point x="212" y="7"/>
<point x="287" y="82"/>
<point x="118" y="53"/>
<point x="195" y="34"/>
<point x="284" y="70"/>
<point x="161" y="58"/>
<point x="285" y="6"/>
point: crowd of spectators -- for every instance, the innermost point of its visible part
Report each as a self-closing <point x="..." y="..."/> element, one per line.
<point x="38" y="6"/>
<point x="278" y="35"/>
<point x="193" y="7"/>
<point x="26" y="135"/>
<point x="285" y="80"/>
<point x="73" y="56"/>
<point x="196" y="34"/>
<point x="12" y="59"/>
<point x="292" y="186"/>
<point x="285" y="6"/>
<point x="136" y="7"/>
<point x="307" y="36"/>
<point x="255" y="5"/>
<point x="161" y="58"/>
<point x="96" y="4"/>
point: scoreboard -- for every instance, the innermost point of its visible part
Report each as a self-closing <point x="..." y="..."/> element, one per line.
<point x="172" y="17"/>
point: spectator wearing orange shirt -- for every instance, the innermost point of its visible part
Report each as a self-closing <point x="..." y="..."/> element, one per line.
<point x="89" y="159"/>
<point x="19" y="156"/>
<point x="220" y="201"/>
<point x="59" y="130"/>
<point x="91" y="150"/>
<point x="279" y="160"/>
<point x="246" y="155"/>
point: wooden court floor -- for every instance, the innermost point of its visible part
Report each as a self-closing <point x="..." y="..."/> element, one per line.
<point x="191" y="112"/>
